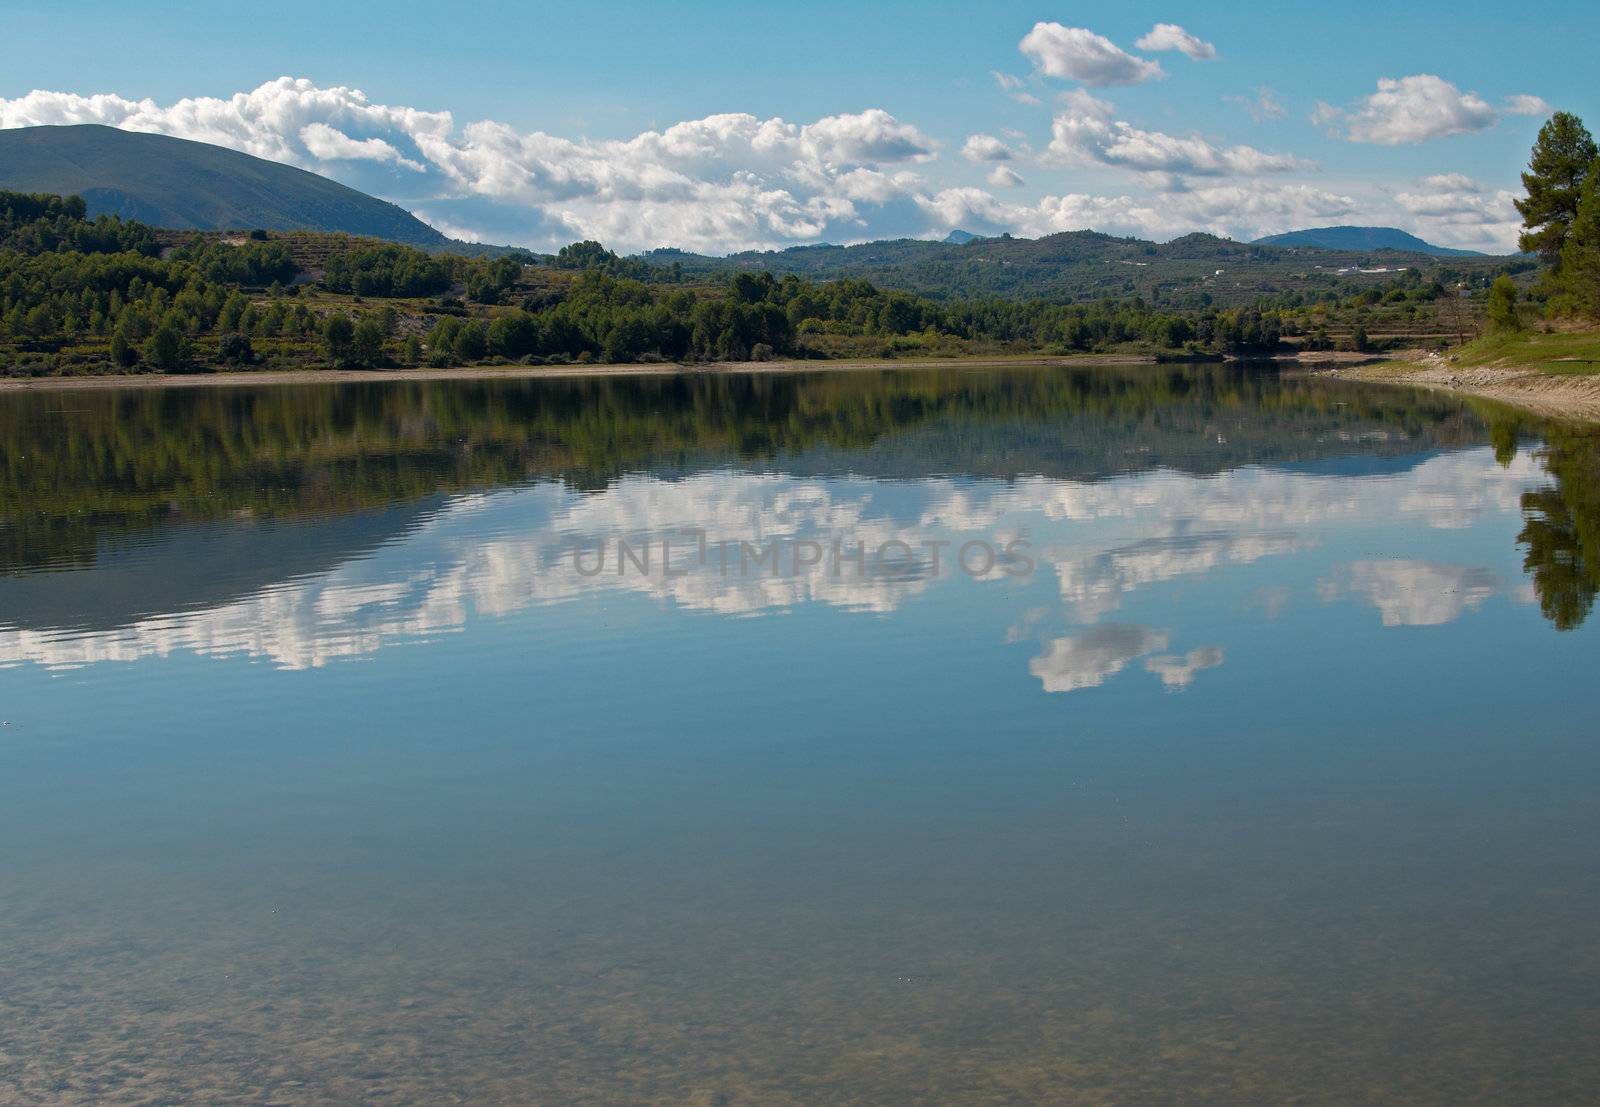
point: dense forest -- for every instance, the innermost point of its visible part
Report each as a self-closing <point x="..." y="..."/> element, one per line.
<point x="107" y="295"/>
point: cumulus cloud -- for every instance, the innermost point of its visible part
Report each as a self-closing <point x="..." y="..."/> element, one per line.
<point x="1459" y="182"/>
<point x="734" y="181"/>
<point x="1094" y="585"/>
<point x="1089" y="658"/>
<point x="1456" y="210"/>
<point x="724" y="182"/>
<point x="981" y="147"/>
<point x="1523" y="104"/>
<point x="1229" y="210"/>
<point x="1177" y="672"/>
<point x="1078" y="54"/>
<point x="1408" y="110"/>
<point x="1087" y="133"/>
<point x="1170" y="36"/>
<point x="322" y="141"/>
<point x="1413" y="593"/>
<point x="1003" y="176"/>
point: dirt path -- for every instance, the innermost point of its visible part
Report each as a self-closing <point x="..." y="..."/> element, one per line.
<point x="1558" y="397"/>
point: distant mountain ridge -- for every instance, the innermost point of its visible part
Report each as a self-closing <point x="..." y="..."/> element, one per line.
<point x="1196" y="268"/>
<point x="1364" y="238"/>
<point x="173" y="182"/>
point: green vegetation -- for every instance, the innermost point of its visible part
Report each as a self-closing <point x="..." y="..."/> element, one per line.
<point x="1545" y="351"/>
<point x="1503" y="305"/>
<point x="1561" y="531"/>
<point x="1561" y="220"/>
<point x="81" y="467"/>
<point x="108" y="295"/>
<point x="1561" y="217"/>
<point x="1186" y="274"/>
<point x="1580" y="254"/>
<point x="1561" y="159"/>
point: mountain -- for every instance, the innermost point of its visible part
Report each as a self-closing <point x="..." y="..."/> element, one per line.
<point x="1191" y="271"/>
<point x="172" y="182"/>
<point x="1363" y="238"/>
<point x="959" y="237"/>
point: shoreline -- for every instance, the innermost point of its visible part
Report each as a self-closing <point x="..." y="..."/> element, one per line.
<point x="551" y="372"/>
<point x="630" y="369"/>
<point x="1550" y="396"/>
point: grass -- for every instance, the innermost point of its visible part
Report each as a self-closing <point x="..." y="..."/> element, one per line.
<point x="1567" y="353"/>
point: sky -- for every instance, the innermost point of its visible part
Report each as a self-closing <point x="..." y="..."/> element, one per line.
<point x="718" y="127"/>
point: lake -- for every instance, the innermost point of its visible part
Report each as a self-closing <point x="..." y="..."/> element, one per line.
<point x="1018" y="735"/>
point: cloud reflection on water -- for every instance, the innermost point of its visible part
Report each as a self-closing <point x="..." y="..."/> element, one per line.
<point x="494" y="555"/>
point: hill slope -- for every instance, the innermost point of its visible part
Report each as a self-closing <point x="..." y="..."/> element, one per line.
<point x="1188" y="271"/>
<point x="172" y="182"/>
<point x="1363" y="238"/>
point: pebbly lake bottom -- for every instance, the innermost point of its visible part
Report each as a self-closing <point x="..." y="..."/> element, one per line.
<point x="326" y="778"/>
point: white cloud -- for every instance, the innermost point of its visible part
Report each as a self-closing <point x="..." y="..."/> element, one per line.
<point x="1458" y="182"/>
<point x="1454" y="209"/>
<point x="323" y="142"/>
<point x="1170" y="36"/>
<point x="1089" y="658"/>
<point x="1094" y="585"/>
<point x="1413" y="593"/>
<point x="1003" y="176"/>
<point x="721" y="183"/>
<point x="1407" y="110"/>
<point x="1078" y="54"/>
<point x="1086" y="133"/>
<point x="734" y="181"/>
<point x="981" y="147"/>
<point x="1239" y="211"/>
<point x="1523" y="104"/>
<point x="494" y="554"/>
<point x="1178" y="672"/>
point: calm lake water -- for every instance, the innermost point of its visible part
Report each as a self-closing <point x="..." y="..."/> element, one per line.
<point x="1090" y="736"/>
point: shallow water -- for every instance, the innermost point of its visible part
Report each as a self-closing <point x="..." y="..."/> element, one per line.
<point x="1237" y="745"/>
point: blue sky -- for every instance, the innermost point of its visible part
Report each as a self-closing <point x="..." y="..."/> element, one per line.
<point x="719" y="126"/>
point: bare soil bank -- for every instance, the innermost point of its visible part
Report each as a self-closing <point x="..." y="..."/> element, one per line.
<point x="1549" y="395"/>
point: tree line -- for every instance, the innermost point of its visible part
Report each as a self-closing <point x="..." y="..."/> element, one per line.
<point x="104" y="288"/>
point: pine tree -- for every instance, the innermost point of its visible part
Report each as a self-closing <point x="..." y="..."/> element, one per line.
<point x="1580" y="257"/>
<point x="1556" y="171"/>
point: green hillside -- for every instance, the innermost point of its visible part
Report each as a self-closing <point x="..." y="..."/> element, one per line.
<point x="172" y="182"/>
<point x="1191" y="271"/>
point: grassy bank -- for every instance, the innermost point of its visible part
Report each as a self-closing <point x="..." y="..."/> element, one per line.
<point x="1554" y="374"/>
<point x="1575" y="352"/>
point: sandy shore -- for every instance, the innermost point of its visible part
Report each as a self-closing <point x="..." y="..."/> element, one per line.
<point x="540" y="372"/>
<point x="1557" y="397"/>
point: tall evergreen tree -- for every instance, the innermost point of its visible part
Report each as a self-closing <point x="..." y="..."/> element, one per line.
<point x="1580" y="257"/>
<point x="1556" y="171"/>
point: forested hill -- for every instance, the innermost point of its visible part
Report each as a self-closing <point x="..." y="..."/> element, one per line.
<point x="1072" y="265"/>
<point x="1363" y="238"/>
<point x="172" y="182"/>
